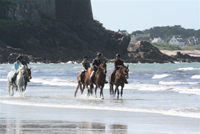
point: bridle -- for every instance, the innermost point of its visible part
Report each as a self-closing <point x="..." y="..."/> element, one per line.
<point x="103" y="67"/>
<point x="124" y="71"/>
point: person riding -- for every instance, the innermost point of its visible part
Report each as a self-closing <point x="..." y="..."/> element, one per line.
<point x="95" y="64"/>
<point x="85" y="65"/>
<point x="118" y="63"/>
<point x="16" y="66"/>
<point x="22" y="61"/>
<point x="25" y="64"/>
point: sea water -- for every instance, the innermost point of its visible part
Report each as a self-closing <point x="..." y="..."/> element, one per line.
<point x="170" y="89"/>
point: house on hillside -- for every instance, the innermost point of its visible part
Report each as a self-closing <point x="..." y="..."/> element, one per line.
<point x="193" y="41"/>
<point x="177" y="41"/>
<point x="157" y="40"/>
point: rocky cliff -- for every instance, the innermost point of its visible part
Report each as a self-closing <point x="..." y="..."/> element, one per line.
<point x="49" y="40"/>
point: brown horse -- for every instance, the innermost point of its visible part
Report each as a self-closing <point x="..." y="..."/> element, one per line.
<point x="27" y="75"/>
<point x="119" y="80"/>
<point x="85" y="83"/>
<point x="100" y="79"/>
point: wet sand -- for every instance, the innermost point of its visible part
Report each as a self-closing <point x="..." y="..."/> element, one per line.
<point x="195" y="53"/>
<point x="16" y="119"/>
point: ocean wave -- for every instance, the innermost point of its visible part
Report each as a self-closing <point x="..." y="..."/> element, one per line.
<point x="188" y="69"/>
<point x="54" y="82"/>
<point x="195" y="91"/>
<point x="177" y="83"/>
<point x="195" y="77"/>
<point x="3" y="79"/>
<point x="160" y="76"/>
<point x="183" y="112"/>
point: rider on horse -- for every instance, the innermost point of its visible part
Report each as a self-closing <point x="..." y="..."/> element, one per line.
<point x="25" y="64"/>
<point x="22" y="61"/>
<point x="118" y="64"/>
<point x="16" y="66"/>
<point x="95" y="64"/>
<point x="85" y="65"/>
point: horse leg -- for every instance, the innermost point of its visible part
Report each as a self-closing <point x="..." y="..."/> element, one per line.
<point x="12" y="91"/>
<point x="96" y="92"/>
<point x="102" y="96"/>
<point x="117" y="90"/>
<point x="88" y="94"/>
<point x="111" y="89"/>
<point x="122" y="91"/>
<point x="82" y="89"/>
<point x="76" y="89"/>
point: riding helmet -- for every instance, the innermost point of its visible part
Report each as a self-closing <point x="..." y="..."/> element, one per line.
<point x="18" y="58"/>
<point x="99" y="54"/>
<point x="118" y="55"/>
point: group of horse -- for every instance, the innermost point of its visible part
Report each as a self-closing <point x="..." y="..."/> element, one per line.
<point x="20" y="83"/>
<point x="120" y="77"/>
<point x="24" y="75"/>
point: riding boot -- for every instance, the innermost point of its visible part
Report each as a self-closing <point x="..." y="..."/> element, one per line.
<point x="13" y="78"/>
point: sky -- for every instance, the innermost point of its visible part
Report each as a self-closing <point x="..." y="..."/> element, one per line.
<point x="132" y="15"/>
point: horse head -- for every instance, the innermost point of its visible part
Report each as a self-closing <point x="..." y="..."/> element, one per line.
<point x="103" y="67"/>
<point x="125" y="71"/>
<point x="21" y="69"/>
<point x="28" y="73"/>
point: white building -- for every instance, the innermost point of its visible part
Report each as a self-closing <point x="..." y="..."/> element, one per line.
<point x="157" y="40"/>
<point x="177" y="41"/>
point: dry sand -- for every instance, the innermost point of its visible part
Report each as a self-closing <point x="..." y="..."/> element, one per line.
<point x="195" y="53"/>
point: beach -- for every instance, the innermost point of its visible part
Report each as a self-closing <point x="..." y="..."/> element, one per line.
<point x="160" y="98"/>
<point x="195" y="53"/>
<point x="34" y="120"/>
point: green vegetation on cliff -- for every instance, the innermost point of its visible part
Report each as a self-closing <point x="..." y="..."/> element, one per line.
<point x="167" y="32"/>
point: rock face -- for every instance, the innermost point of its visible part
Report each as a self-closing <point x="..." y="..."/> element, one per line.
<point x="145" y="52"/>
<point x="50" y="40"/>
<point x="186" y="58"/>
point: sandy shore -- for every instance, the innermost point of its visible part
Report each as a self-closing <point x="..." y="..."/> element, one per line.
<point x="195" y="53"/>
<point x="42" y="120"/>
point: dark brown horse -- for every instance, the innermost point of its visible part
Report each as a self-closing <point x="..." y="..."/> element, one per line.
<point x="28" y="76"/>
<point x="119" y="80"/>
<point x="100" y="79"/>
<point x="86" y="82"/>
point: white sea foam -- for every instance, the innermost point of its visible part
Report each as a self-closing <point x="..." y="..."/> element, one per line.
<point x="195" y="77"/>
<point x="3" y="79"/>
<point x="177" y="83"/>
<point x="182" y="90"/>
<point x="188" y="69"/>
<point x="160" y="76"/>
<point x="54" y="82"/>
<point x="184" y="112"/>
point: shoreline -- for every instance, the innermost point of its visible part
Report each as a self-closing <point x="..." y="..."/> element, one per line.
<point x="194" y="53"/>
<point x="49" y="120"/>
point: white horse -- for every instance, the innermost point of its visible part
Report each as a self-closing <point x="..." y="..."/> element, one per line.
<point x="19" y="82"/>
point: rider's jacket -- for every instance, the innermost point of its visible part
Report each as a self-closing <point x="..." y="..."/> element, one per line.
<point x="85" y="65"/>
<point x="117" y="63"/>
<point x="24" y="62"/>
<point x="16" y="66"/>
<point x="96" y="62"/>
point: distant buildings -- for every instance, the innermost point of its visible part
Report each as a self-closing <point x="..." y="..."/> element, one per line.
<point x="158" y="40"/>
<point x="177" y="41"/>
<point x="192" y="41"/>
